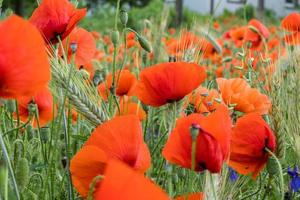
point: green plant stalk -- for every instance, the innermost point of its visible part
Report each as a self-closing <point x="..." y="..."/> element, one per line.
<point x="194" y="146"/>
<point x="281" y="181"/>
<point x="11" y="171"/>
<point x="70" y="186"/>
<point x="3" y="182"/>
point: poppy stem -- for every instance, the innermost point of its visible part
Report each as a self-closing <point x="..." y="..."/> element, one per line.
<point x="280" y="172"/>
<point x="11" y="171"/>
<point x="92" y="187"/>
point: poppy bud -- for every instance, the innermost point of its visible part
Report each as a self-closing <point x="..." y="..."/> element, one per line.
<point x="84" y="74"/>
<point x="115" y="37"/>
<point x="194" y="130"/>
<point x="272" y="166"/>
<point x="252" y="28"/>
<point x="227" y="59"/>
<point x="238" y="67"/>
<point x="241" y="55"/>
<point x="30" y="131"/>
<point x="97" y="77"/>
<point x="249" y="44"/>
<point x="22" y="173"/>
<point x="11" y="106"/>
<point x="145" y="44"/>
<point x="73" y="47"/>
<point x="124" y="17"/>
<point x="32" y="108"/>
<point x="45" y="133"/>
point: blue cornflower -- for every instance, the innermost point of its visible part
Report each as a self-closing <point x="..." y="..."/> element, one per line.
<point x="233" y="175"/>
<point x="295" y="179"/>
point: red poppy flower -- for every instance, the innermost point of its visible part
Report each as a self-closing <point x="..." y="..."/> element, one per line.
<point x="124" y="82"/>
<point x="24" y="66"/>
<point x="128" y="106"/>
<point x="237" y="92"/>
<point x="292" y="23"/>
<point x="237" y="35"/>
<point x="212" y="147"/>
<point x="192" y="196"/>
<point x="256" y="37"/>
<point x="120" y="138"/>
<point x="56" y="18"/>
<point x="250" y="136"/>
<point x="168" y="82"/>
<point x="44" y="103"/>
<point x="121" y="182"/>
<point x="80" y="44"/>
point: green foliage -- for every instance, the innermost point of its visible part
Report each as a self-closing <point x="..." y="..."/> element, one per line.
<point x="247" y="12"/>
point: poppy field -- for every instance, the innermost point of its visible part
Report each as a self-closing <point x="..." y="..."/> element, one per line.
<point x="148" y="112"/>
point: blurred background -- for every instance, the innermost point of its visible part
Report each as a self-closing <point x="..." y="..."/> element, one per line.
<point x="181" y="12"/>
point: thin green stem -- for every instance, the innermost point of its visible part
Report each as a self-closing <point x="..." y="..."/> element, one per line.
<point x="281" y="181"/>
<point x="11" y="171"/>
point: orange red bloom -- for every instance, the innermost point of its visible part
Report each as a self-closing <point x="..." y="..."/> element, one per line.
<point x="128" y="106"/>
<point x="124" y="82"/>
<point x="24" y="66"/>
<point x="192" y="196"/>
<point x="212" y="143"/>
<point x="120" y="138"/>
<point x="168" y="82"/>
<point x="292" y="23"/>
<point x="45" y="106"/>
<point x="238" y="93"/>
<point x="121" y="182"/>
<point x="81" y="46"/>
<point x="250" y="136"/>
<point x="56" y="18"/>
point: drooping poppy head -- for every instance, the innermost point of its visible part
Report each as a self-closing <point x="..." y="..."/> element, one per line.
<point x="24" y="66"/>
<point x="124" y="82"/>
<point x="121" y="182"/>
<point x="168" y="82"/>
<point x="291" y="22"/>
<point x="120" y="138"/>
<point x="56" y="18"/>
<point x="191" y="196"/>
<point x="128" y="106"/>
<point x="250" y="136"/>
<point x="212" y="142"/>
<point x="80" y="46"/>
<point x="254" y="33"/>
<point x="44" y="103"/>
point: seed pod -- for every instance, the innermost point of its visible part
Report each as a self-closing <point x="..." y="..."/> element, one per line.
<point x="97" y="78"/>
<point x="115" y="37"/>
<point x="45" y="133"/>
<point x="124" y="17"/>
<point x="22" y="173"/>
<point x="32" y="108"/>
<point x="272" y="166"/>
<point x="73" y="47"/>
<point x="145" y="44"/>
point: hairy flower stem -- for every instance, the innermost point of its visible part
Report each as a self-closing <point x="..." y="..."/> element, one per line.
<point x="8" y="163"/>
<point x="281" y="181"/>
